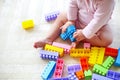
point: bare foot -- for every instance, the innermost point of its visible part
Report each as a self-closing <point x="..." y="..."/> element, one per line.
<point x="42" y="43"/>
<point x="74" y="44"/>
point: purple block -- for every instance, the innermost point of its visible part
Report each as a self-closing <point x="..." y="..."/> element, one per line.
<point x="49" y="55"/>
<point x="51" y="16"/>
<point x="65" y="78"/>
<point x="99" y="77"/>
<point x="72" y="76"/>
<point x="113" y="75"/>
<point x="74" y="68"/>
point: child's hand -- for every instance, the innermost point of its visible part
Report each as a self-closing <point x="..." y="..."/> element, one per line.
<point x="78" y="35"/>
<point x="64" y="27"/>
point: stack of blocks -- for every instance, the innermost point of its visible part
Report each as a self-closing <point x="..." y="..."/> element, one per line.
<point x="88" y="57"/>
<point x="68" y="34"/>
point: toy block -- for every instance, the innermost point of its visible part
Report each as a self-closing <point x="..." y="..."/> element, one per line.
<point x="74" y="68"/>
<point x="59" y="68"/>
<point x="96" y="55"/>
<point x="79" y="52"/>
<point x="64" y="46"/>
<point x="79" y="74"/>
<point x="108" y="62"/>
<point x="117" y="61"/>
<point x="49" y="55"/>
<point x="64" y="78"/>
<point x="99" y="69"/>
<point x="54" y="49"/>
<point x="68" y="34"/>
<point x="84" y="63"/>
<point x="88" y="75"/>
<point x="113" y="75"/>
<point x="49" y="70"/>
<point x="51" y="16"/>
<point x="111" y="52"/>
<point x="99" y="77"/>
<point x="86" y="45"/>
<point x="28" y="24"/>
<point x="72" y="76"/>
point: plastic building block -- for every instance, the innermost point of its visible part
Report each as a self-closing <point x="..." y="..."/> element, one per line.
<point x="51" y="16"/>
<point x="68" y="34"/>
<point x="74" y="68"/>
<point x="64" y="46"/>
<point x="108" y="62"/>
<point x="113" y="75"/>
<point x="99" y="69"/>
<point x="84" y="63"/>
<point x="49" y="55"/>
<point x="59" y="68"/>
<point x="86" y="45"/>
<point x="72" y="76"/>
<point x="88" y="75"/>
<point x="28" y="24"/>
<point x="96" y="55"/>
<point x="49" y="70"/>
<point x="79" y="74"/>
<point x="99" y="77"/>
<point x="79" y="52"/>
<point x="54" y="49"/>
<point x="64" y="78"/>
<point x="117" y="61"/>
<point x="111" y="52"/>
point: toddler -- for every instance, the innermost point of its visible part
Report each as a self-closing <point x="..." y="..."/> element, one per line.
<point x="91" y="20"/>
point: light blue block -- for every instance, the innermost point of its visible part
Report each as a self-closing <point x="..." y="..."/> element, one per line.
<point x="117" y="61"/>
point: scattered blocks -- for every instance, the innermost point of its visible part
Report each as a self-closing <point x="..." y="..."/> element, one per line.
<point x="49" y="55"/>
<point x="64" y="46"/>
<point x="117" y="61"/>
<point x="51" y="16"/>
<point x="54" y="49"/>
<point x="84" y="63"/>
<point x="79" y="52"/>
<point x="88" y="75"/>
<point x="113" y="75"/>
<point x="108" y="62"/>
<point x="99" y="69"/>
<point x="59" y="68"/>
<point x="74" y="68"/>
<point x="99" y="77"/>
<point x="49" y="70"/>
<point x="28" y="24"/>
<point x="68" y="34"/>
<point x="111" y="52"/>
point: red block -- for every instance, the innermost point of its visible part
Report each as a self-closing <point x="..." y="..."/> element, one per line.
<point x="111" y="52"/>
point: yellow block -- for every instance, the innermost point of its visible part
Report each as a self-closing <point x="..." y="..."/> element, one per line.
<point x="28" y="24"/>
<point x="54" y="49"/>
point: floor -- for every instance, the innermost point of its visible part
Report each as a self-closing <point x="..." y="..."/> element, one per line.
<point x="18" y="59"/>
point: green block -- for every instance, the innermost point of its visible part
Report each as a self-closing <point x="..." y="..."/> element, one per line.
<point x="88" y="75"/>
<point x="108" y="62"/>
<point x="100" y="69"/>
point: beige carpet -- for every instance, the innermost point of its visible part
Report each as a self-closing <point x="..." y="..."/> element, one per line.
<point x="18" y="59"/>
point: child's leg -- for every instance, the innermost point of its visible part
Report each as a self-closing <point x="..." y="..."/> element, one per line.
<point x="60" y="21"/>
<point x="103" y="37"/>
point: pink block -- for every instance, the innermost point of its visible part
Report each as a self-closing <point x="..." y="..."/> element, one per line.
<point x="64" y="46"/>
<point x="87" y="45"/>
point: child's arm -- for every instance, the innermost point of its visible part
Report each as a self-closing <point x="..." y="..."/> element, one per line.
<point x="101" y="17"/>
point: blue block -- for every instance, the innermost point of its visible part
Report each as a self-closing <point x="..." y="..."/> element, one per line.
<point x="49" y="70"/>
<point x="117" y="61"/>
<point x="74" y="68"/>
<point x="51" y="16"/>
<point x="65" y="78"/>
<point x="69" y="33"/>
<point x="113" y="75"/>
<point x="99" y="77"/>
<point x="49" y="55"/>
